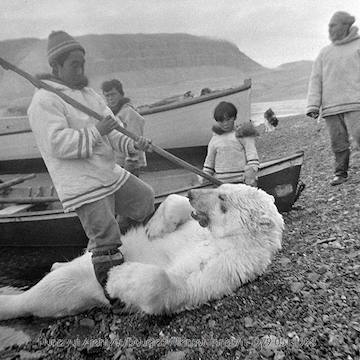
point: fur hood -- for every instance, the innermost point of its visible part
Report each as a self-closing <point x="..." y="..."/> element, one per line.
<point x="353" y="35"/>
<point x="246" y="130"/>
<point x="115" y="109"/>
<point x="217" y="130"/>
<point x="242" y="130"/>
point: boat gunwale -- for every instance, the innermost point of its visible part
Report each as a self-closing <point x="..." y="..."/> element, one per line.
<point x="299" y="154"/>
<point x="25" y="131"/>
<point x="199" y="99"/>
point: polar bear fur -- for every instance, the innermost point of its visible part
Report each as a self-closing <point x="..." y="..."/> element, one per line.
<point x="173" y="263"/>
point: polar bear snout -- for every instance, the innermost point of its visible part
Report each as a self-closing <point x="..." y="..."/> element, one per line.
<point x="203" y="203"/>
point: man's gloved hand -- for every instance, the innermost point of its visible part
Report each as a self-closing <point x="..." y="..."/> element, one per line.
<point x="313" y="114"/>
<point x="143" y="144"/>
<point x="200" y="179"/>
<point x="108" y="124"/>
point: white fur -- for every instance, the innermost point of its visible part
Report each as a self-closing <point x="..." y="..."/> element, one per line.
<point x="173" y="212"/>
<point x="184" y="266"/>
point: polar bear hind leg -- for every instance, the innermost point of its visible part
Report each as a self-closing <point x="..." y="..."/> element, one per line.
<point x="67" y="290"/>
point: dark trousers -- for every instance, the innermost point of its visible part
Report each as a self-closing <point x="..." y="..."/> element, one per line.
<point x="343" y="129"/>
<point x="134" y="200"/>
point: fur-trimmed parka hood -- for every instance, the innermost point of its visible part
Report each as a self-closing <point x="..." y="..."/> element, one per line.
<point x="115" y="109"/>
<point x="246" y="130"/>
<point x="242" y="130"/>
<point x="353" y="35"/>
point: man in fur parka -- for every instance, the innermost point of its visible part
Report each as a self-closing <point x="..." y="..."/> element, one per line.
<point x="334" y="88"/>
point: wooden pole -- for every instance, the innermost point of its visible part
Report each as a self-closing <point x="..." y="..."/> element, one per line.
<point x="42" y="85"/>
<point x="28" y="200"/>
<point x="15" y="181"/>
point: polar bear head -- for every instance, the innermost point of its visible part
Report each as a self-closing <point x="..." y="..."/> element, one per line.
<point x="237" y="209"/>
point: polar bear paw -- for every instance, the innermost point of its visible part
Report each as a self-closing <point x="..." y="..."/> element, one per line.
<point x="173" y="212"/>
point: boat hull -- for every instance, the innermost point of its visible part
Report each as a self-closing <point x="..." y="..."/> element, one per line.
<point x="192" y="119"/>
<point x="45" y="228"/>
<point x="279" y="178"/>
<point x="282" y="182"/>
<point x="177" y="127"/>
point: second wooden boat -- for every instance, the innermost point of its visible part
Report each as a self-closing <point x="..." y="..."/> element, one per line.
<point x="33" y="216"/>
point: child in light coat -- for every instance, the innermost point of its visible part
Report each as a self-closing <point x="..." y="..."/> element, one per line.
<point x="232" y="154"/>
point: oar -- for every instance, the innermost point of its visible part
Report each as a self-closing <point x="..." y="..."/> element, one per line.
<point x="15" y="181"/>
<point x="28" y="200"/>
<point x="42" y="85"/>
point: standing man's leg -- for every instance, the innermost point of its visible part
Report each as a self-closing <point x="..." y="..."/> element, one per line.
<point x="352" y="120"/>
<point x="340" y="146"/>
<point x="102" y="229"/>
<point x="134" y="201"/>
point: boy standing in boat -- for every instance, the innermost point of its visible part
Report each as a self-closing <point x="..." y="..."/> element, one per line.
<point x="232" y="154"/>
<point x="130" y="119"/>
<point x="79" y="154"/>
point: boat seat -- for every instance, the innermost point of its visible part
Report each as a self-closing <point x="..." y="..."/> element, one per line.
<point x="13" y="209"/>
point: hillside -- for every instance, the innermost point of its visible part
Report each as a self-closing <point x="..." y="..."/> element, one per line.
<point x="288" y="81"/>
<point x="154" y="66"/>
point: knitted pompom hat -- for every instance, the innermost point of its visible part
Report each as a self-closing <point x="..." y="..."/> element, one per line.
<point x="60" y="42"/>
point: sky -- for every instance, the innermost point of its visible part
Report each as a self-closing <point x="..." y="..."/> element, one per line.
<point x="271" y="32"/>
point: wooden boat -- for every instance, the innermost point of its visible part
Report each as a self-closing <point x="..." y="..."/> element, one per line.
<point x="182" y="128"/>
<point x="32" y="216"/>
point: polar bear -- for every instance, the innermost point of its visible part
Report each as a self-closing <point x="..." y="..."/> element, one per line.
<point x="193" y="250"/>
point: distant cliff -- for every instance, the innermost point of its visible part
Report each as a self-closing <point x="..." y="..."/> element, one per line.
<point x="287" y="81"/>
<point x="152" y="66"/>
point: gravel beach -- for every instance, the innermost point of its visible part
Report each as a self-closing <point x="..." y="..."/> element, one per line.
<point x="306" y="306"/>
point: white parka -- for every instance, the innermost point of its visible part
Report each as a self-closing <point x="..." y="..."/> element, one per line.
<point x="80" y="161"/>
<point x="229" y="154"/>
<point x="335" y="79"/>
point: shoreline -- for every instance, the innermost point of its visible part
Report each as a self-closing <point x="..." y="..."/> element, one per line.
<point x="282" y="108"/>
